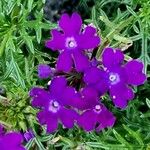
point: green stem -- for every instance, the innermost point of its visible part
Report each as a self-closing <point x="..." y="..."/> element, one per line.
<point x="110" y="35"/>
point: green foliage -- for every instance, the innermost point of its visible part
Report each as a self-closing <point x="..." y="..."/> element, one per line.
<point x="21" y="25"/>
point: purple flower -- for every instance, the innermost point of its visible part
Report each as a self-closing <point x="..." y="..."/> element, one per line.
<point x="96" y="118"/>
<point x="93" y="113"/>
<point x="71" y="42"/>
<point x="44" y="71"/>
<point x="28" y="135"/>
<point x="11" y="141"/>
<point x="86" y="98"/>
<point x="117" y="77"/>
<point x="54" y="105"/>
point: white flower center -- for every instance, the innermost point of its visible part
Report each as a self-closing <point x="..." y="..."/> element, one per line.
<point x="70" y="42"/>
<point x="114" y="78"/>
<point x="53" y="106"/>
<point x="97" y="109"/>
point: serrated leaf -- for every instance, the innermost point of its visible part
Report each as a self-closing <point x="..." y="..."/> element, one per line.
<point x="144" y="54"/>
<point x="27" y="40"/>
<point x="17" y="73"/>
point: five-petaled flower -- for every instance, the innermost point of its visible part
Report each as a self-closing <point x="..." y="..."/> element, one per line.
<point x="71" y="40"/>
<point x="54" y="105"/>
<point x="116" y="77"/>
<point x="97" y="117"/>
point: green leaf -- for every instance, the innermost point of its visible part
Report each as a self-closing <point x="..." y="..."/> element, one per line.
<point x="28" y="40"/>
<point x="131" y="11"/>
<point x="136" y="29"/>
<point x="30" y="3"/>
<point x="144" y="54"/>
<point x="17" y="73"/>
<point x="94" y="18"/>
<point x="39" y="144"/>
<point x="38" y="34"/>
<point x="121" y="139"/>
<point x="29" y="144"/>
<point x="134" y="135"/>
<point x="148" y="102"/>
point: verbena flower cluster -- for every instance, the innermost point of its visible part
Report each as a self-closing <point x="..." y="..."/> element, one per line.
<point x="78" y="82"/>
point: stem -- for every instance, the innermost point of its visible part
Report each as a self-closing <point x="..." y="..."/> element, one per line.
<point x="110" y="35"/>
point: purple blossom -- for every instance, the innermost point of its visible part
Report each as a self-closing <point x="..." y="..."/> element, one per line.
<point x="54" y="105"/>
<point x="96" y="118"/>
<point x="28" y="135"/>
<point x="11" y="141"/>
<point x="86" y="98"/>
<point x="117" y="77"/>
<point x="71" y="42"/>
<point x="44" y="71"/>
<point x="93" y="112"/>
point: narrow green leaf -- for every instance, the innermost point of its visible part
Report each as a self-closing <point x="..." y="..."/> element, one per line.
<point x="136" y="29"/>
<point x="148" y="102"/>
<point x="134" y="135"/>
<point x="28" y="40"/>
<point x="131" y="11"/>
<point x="29" y="144"/>
<point x="30" y="3"/>
<point x="94" y="16"/>
<point x="38" y="34"/>
<point x="39" y="144"/>
<point x="121" y="139"/>
<point x="3" y="44"/>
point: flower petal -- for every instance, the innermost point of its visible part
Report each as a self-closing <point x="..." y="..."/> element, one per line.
<point x="101" y="86"/>
<point x="87" y="120"/>
<point x="70" y="97"/>
<point x="40" y="97"/>
<point x="68" y="117"/>
<point x="81" y="61"/>
<point x="64" y="62"/>
<point x="57" y="86"/>
<point x="70" y="25"/>
<point x="120" y="94"/>
<point x="106" y="119"/>
<point x="57" y="42"/>
<point x="49" y="119"/>
<point x="93" y="75"/>
<point x="13" y="138"/>
<point x="90" y="31"/>
<point x="89" y="98"/>
<point x="76" y="22"/>
<point x="87" y="41"/>
<point x="44" y="71"/>
<point x="134" y="72"/>
<point x="112" y="57"/>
